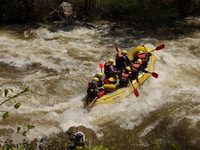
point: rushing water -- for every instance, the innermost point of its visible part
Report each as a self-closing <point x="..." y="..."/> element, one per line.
<point x="57" y="62"/>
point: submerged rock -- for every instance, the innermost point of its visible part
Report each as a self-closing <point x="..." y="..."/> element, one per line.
<point x="90" y="136"/>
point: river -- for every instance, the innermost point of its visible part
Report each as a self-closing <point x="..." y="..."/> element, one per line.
<point x="57" y="61"/>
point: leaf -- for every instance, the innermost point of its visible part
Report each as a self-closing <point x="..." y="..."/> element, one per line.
<point x="17" y="105"/>
<point x="26" y="89"/>
<point x="5" y="115"/>
<point x="6" y="92"/>
<point x="22" y="147"/>
<point x="24" y="133"/>
<point x="11" y="90"/>
<point x="18" y="129"/>
<point x="30" y="126"/>
<point x="5" y="147"/>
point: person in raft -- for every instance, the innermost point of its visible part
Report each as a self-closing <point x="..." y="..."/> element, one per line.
<point x="125" y="77"/>
<point x="136" y="67"/>
<point x="122" y="60"/>
<point x="93" y="88"/>
<point x="110" y="84"/>
<point x="100" y="77"/>
<point x="144" y="56"/>
<point x="110" y="70"/>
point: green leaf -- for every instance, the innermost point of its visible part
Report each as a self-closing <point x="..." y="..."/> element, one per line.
<point x="5" y="147"/>
<point x="24" y="133"/>
<point x="6" y="92"/>
<point x="26" y="89"/>
<point x="17" y="105"/>
<point x="11" y="90"/>
<point x="18" y="129"/>
<point x="5" y="115"/>
<point x="22" y="147"/>
<point x="30" y="126"/>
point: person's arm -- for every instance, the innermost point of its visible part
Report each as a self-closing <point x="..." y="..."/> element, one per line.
<point x="128" y="60"/>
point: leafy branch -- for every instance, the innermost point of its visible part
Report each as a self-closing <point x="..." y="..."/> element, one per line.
<point x="17" y="105"/>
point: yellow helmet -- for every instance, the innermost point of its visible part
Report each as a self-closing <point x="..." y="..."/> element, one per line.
<point x="111" y="79"/>
<point x="139" y="61"/>
<point x="99" y="75"/>
<point x="124" y="52"/>
<point x="111" y="61"/>
<point x="140" y="52"/>
<point x="95" y="79"/>
<point x="128" y="68"/>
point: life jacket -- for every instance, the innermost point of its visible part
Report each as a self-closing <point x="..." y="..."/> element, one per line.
<point x="142" y="56"/>
<point x="124" y="79"/>
<point x="101" y="93"/>
<point x="105" y="81"/>
<point x="125" y="76"/>
<point x="136" y="65"/>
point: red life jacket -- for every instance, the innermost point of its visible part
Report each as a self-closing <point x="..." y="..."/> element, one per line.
<point x="101" y="93"/>
<point x="105" y="81"/>
<point x="136" y="65"/>
<point x="142" y="56"/>
<point x="125" y="75"/>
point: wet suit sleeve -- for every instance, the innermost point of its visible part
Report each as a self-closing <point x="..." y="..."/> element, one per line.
<point x="128" y="62"/>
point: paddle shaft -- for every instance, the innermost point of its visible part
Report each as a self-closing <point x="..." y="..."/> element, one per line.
<point x="159" y="48"/>
<point x="134" y="89"/>
<point x="91" y="104"/>
<point x="154" y="74"/>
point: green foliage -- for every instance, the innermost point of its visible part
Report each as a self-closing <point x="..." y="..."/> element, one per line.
<point x="139" y="10"/>
<point x="100" y="147"/>
<point x="96" y="147"/>
<point x="30" y="126"/>
<point x="17" y="105"/>
<point x="25" y="129"/>
<point x="5" y="92"/>
<point x="11" y="96"/>
<point x="5" y="115"/>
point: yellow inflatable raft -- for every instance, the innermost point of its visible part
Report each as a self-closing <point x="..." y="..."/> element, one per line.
<point x="121" y="93"/>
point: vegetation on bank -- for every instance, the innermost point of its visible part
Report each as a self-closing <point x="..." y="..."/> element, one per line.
<point x="137" y="10"/>
<point x="10" y="96"/>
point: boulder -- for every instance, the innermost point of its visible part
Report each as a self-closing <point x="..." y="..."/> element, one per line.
<point x="66" y="9"/>
<point x="62" y="140"/>
<point x="90" y="136"/>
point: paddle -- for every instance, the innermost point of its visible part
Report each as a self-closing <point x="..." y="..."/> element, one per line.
<point x="159" y="47"/>
<point x="154" y="74"/>
<point x="134" y="89"/>
<point x="116" y="48"/>
<point x="92" y="103"/>
<point x="100" y="66"/>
